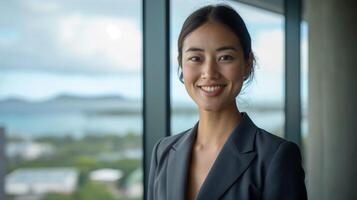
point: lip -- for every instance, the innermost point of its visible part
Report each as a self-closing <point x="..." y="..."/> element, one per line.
<point x="211" y="90"/>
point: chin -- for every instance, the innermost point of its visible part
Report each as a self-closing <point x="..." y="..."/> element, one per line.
<point x="210" y="107"/>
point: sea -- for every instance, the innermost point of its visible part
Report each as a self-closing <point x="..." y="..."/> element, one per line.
<point x="78" y="124"/>
<point x="32" y="123"/>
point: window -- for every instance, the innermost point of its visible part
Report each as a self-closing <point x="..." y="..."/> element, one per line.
<point x="70" y="99"/>
<point x="304" y="82"/>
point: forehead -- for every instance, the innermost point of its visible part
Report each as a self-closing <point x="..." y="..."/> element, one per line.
<point x="211" y="35"/>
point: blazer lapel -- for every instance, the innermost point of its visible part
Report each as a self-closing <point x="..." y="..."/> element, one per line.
<point x="234" y="158"/>
<point x="178" y="163"/>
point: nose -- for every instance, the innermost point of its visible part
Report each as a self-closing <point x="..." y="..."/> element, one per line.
<point x="210" y="69"/>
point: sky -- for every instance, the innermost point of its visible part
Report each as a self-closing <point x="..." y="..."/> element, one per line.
<point x="87" y="47"/>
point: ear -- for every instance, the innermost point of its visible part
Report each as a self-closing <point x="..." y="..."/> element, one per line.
<point x="248" y="65"/>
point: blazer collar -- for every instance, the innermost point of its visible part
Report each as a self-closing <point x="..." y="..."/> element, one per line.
<point x="178" y="165"/>
<point x="236" y="155"/>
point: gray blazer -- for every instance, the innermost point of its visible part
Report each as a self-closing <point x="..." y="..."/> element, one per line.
<point x="253" y="164"/>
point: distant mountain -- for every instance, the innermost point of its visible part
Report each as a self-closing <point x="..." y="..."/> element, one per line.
<point x="67" y="97"/>
<point x="107" y="105"/>
<point x="72" y="103"/>
<point x="13" y="100"/>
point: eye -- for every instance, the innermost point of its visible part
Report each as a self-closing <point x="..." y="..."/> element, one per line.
<point x="225" y="58"/>
<point x="194" y="59"/>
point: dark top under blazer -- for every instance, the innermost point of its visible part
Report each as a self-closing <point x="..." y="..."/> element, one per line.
<point x="252" y="164"/>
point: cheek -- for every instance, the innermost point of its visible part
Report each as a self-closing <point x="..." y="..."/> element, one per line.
<point x="233" y="74"/>
<point x="189" y="79"/>
<point x="190" y="74"/>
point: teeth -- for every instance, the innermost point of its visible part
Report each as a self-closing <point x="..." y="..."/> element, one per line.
<point x="211" y="88"/>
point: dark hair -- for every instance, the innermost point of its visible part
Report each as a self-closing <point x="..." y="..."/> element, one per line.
<point x="225" y="15"/>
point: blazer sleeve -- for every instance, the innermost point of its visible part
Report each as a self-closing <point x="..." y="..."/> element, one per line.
<point x="153" y="165"/>
<point x="285" y="178"/>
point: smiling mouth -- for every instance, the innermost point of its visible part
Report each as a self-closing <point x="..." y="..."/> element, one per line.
<point x="212" y="90"/>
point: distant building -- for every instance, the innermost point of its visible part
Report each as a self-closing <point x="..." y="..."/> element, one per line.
<point x="134" y="153"/>
<point x="134" y="188"/>
<point x="40" y="181"/>
<point x="28" y="150"/>
<point x="109" y="156"/>
<point x="105" y="175"/>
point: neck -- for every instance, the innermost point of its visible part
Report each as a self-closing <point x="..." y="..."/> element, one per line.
<point x="215" y="127"/>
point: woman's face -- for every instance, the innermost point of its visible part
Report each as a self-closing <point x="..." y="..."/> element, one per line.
<point x="213" y="66"/>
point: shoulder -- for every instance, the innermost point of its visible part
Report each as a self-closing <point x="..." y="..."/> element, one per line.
<point x="270" y="146"/>
<point x="166" y="143"/>
<point x="263" y="142"/>
<point x="281" y="163"/>
<point x="265" y="139"/>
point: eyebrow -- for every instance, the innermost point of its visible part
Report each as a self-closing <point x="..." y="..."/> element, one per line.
<point x="193" y="49"/>
<point x="219" y="49"/>
<point x="227" y="48"/>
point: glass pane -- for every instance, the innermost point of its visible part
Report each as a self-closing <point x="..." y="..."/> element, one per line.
<point x="70" y="99"/>
<point x="304" y="82"/>
<point x="263" y="98"/>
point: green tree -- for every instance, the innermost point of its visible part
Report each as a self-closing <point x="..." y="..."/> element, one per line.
<point x="53" y="196"/>
<point x="94" y="191"/>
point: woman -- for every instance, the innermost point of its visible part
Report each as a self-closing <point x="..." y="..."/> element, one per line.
<point x="224" y="156"/>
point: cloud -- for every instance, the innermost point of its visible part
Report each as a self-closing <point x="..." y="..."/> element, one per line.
<point x="101" y="41"/>
<point x="74" y="37"/>
<point x="42" y="6"/>
<point x="269" y="48"/>
<point x="250" y="14"/>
